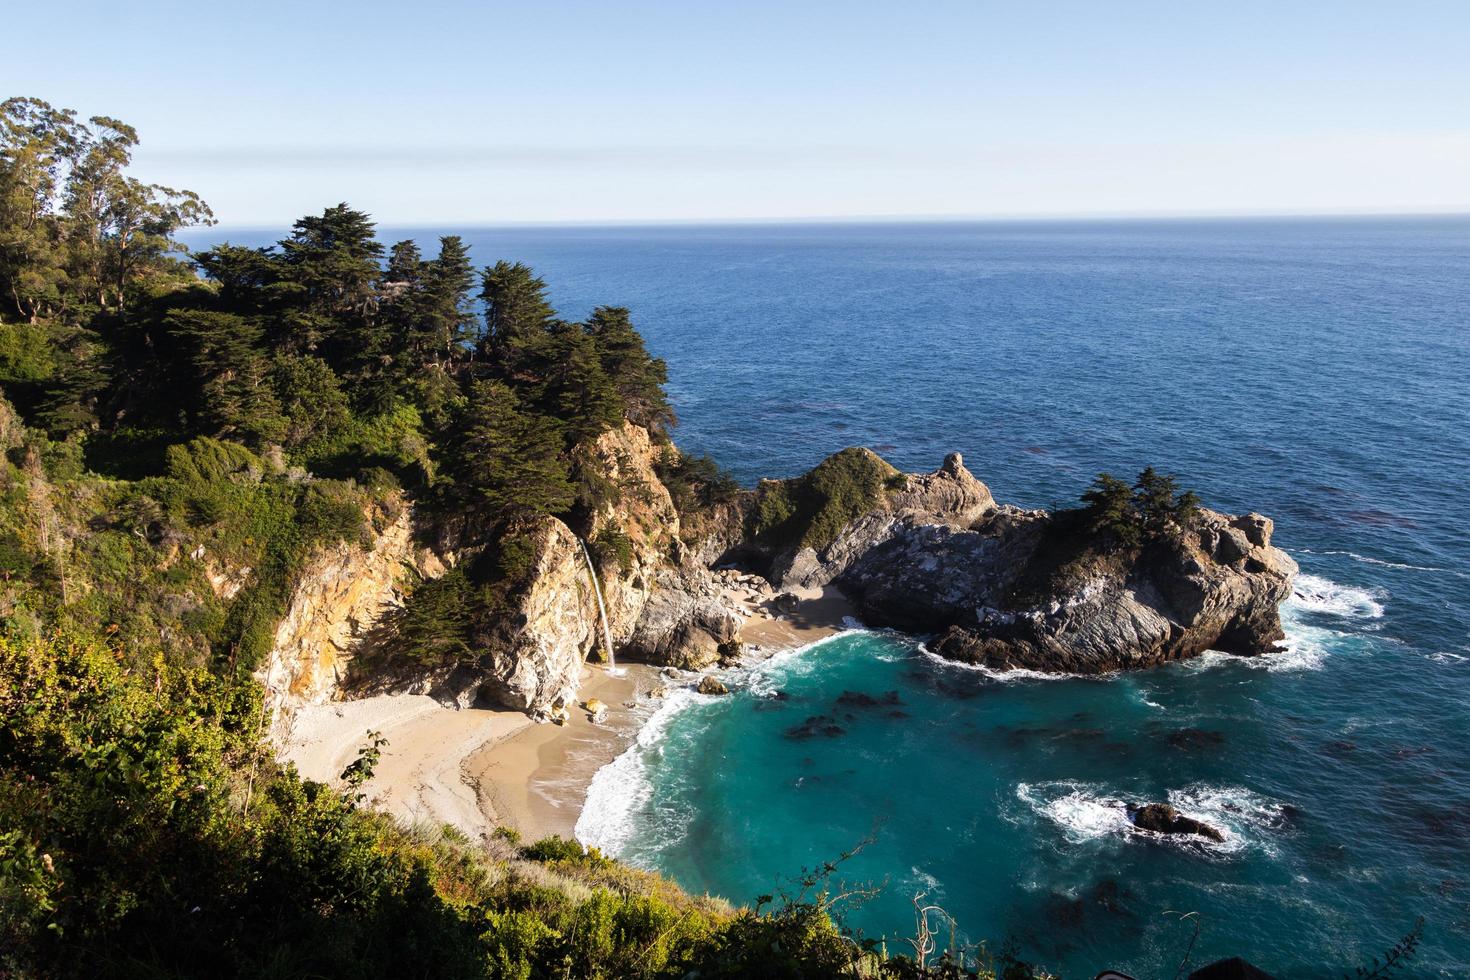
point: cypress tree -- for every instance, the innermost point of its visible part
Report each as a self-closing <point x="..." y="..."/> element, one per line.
<point x="506" y="460"/>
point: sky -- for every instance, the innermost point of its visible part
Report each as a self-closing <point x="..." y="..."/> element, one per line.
<point x="434" y="113"/>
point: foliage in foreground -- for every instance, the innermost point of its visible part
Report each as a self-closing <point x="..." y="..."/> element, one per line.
<point x="144" y="831"/>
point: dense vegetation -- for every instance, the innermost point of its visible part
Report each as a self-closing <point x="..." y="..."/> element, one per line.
<point x="177" y="435"/>
<point x="811" y="510"/>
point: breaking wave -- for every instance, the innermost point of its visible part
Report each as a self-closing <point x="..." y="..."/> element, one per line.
<point x="1317" y="594"/>
<point x="1085" y="813"/>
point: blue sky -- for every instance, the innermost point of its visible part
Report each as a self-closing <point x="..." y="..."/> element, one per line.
<point x="483" y="113"/>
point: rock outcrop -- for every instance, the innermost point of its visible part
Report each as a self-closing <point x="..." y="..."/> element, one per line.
<point x="340" y="595"/>
<point x="1011" y="588"/>
<point x="538" y="666"/>
<point x="1161" y="818"/>
<point x="1216" y="585"/>
<point x="928" y="553"/>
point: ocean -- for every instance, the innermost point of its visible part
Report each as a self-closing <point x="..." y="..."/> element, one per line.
<point x="1317" y="371"/>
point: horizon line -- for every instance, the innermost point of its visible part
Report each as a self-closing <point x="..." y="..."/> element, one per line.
<point x="1450" y="211"/>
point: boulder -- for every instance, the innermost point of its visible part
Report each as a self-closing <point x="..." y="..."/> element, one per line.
<point x="712" y="685"/>
<point x="685" y="622"/>
<point x="1161" y="818"/>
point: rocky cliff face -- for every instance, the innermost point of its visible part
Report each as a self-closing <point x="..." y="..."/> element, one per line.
<point x="341" y="594"/>
<point x="1010" y="588"/>
<point x="663" y="605"/>
<point x="929" y="553"/>
<point x="539" y="666"/>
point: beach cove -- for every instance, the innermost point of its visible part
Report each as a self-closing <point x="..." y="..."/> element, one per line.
<point x="479" y="769"/>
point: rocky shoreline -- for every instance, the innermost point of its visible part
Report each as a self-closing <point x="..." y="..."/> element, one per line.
<point x="929" y="553"/>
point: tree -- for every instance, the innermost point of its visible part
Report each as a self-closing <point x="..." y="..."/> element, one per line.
<point x="1129" y="516"/>
<point x="331" y="261"/>
<point x="1160" y="504"/>
<point x="36" y="141"/>
<point x="1111" y="511"/>
<point x="75" y="229"/>
<point x="517" y="316"/>
<point x="504" y="459"/>
<point x="233" y="383"/>
<point x="449" y="320"/>
<point x="576" y="390"/>
<point x="637" y="377"/>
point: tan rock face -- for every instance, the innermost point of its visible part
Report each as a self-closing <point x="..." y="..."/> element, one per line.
<point x="644" y="512"/>
<point x="949" y="497"/>
<point x="540" y="669"/>
<point x="343" y="591"/>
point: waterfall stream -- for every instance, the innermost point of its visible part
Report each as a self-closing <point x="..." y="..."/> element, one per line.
<point x="612" y="666"/>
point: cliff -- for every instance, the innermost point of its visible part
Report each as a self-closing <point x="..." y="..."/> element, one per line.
<point x="663" y="604"/>
<point x="1013" y="588"/>
<point x="929" y="553"/>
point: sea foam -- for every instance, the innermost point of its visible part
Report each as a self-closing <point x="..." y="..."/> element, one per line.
<point x="1317" y="594"/>
<point x="623" y="787"/>
<point x="1085" y="812"/>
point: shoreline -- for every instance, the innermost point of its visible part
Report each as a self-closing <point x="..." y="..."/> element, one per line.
<point x="478" y="769"/>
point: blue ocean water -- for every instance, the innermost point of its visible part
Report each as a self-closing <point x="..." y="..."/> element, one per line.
<point x="1317" y="371"/>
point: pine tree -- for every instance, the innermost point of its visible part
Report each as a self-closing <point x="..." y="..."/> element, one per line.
<point x="637" y="377"/>
<point x="331" y="263"/>
<point x="449" y="319"/>
<point x="576" y="390"/>
<point x="517" y="318"/>
<point x="506" y="460"/>
<point x="1111" y="511"/>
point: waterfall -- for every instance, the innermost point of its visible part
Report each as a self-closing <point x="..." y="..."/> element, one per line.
<point x="612" y="666"/>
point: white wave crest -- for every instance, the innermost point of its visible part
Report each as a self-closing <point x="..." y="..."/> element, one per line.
<point x="623" y="787"/>
<point x="1317" y="594"/>
<point x="1086" y="813"/>
<point x="1080" y="811"/>
<point x="1380" y="562"/>
<point x="1014" y="674"/>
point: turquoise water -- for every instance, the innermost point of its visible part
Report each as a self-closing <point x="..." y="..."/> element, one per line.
<point x="1317" y="371"/>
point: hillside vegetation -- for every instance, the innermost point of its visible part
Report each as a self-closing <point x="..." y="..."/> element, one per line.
<point x="178" y="434"/>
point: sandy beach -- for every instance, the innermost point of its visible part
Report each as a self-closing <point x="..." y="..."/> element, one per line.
<point x="478" y="769"/>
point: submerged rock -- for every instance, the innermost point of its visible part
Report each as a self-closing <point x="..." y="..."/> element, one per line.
<point x="1161" y="818"/>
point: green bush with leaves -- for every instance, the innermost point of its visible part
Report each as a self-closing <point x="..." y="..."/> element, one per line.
<point x="809" y="511"/>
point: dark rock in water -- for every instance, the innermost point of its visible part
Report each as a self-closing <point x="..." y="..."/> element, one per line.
<point x="817" y="726"/>
<point x="712" y="685"/>
<point x="1110" y="896"/>
<point x="775" y="701"/>
<point x="1195" y="739"/>
<point x="858" y="699"/>
<point x="1234" y="968"/>
<point x="1380" y="518"/>
<point x="1340" y="747"/>
<point x="1161" y="818"/>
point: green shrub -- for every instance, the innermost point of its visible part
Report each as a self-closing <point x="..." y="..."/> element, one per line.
<point x="612" y="544"/>
<point x="809" y="511"/>
<point x="206" y="460"/>
<point x="558" y="848"/>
